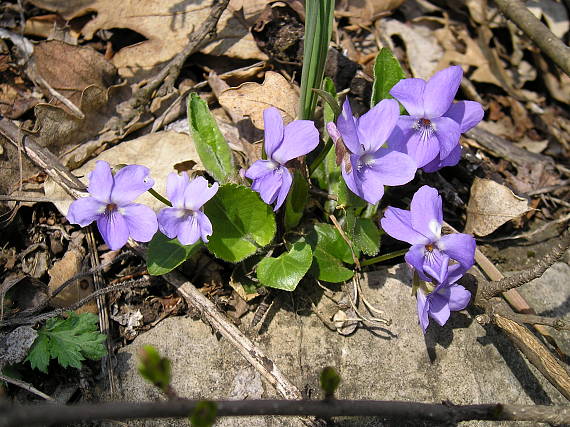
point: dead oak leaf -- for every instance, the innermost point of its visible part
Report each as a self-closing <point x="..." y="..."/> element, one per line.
<point x="250" y="99"/>
<point x="166" y="26"/>
<point x="491" y="205"/>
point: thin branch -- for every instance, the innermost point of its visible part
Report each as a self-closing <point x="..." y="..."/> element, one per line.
<point x="28" y="387"/>
<point x="58" y="312"/>
<point x="535" y="30"/>
<point x="493" y="289"/>
<point x="395" y="410"/>
<point x="532" y="319"/>
<point x="529" y="234"/>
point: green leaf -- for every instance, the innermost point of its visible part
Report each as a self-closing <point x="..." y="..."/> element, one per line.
<point x="318" y="29"/>
<point x="387" y="72"/>
<point x="331" y="101"/>
<point x="330" y="381"/>
<point x="204" y="414"/>
<point x="329" y="252"/>
<point x="365" y="236"/>
<point x="347" y="198"/>
<point x="39" y="354"/>
<point x="165" y="254"/>
<point x="286" y="271"/>
<point x="70" y="341"/>
<point x="154" y="368"/>
<point x="296" y="200"/>
<point x="242" y="223"/>
<point x="211" y="146"/>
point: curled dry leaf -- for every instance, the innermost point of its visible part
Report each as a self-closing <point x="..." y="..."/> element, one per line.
<point x="65" y="269"/>
<point x="490" y="206"/>
<point x="364" y="12"/>
<point x="422" y="49"/>
<point x="250" y="99"/>
<point x="166" y="25"/>
<point x="70" y="69"/>
<point x="343" y="321"/>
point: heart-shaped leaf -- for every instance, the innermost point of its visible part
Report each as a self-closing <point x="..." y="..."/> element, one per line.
<point x="242" y="223"/>
<point x="286" y="271"/>
<point x="165" y="254"/>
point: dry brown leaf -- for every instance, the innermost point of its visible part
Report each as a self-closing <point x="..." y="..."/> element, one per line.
<point x="71" y="69"/>
<point x="473" y="55"/>
<point x="166" y="25"/>
<point x="422" y="49"/>
<point x="250" y="99"/>
<point x="158" y="151"/>
<point x="364" y="12"/>
<point x="490" y="206"/>
<point x="65" y="269"/>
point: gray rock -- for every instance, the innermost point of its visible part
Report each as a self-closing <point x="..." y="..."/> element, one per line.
<point x="462" y="362"/>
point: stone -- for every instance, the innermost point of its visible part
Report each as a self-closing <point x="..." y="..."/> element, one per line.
<point x="463" y="362"/>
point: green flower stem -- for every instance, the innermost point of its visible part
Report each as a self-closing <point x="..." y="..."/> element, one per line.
<point x="320" y="157"/>
<point x="159" y="197"/>
<point x="384" y="257"/>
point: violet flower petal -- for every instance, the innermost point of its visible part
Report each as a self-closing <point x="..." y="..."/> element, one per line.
<point x="260" y="168"/>
<point x="198" y="192"/>
<point x="85" y="210"/>
<point x="439" y="307"/>
<point x="393" y="168"/>
<point x="402" y="133"/>
<point x="459" y="297"/>
<point x="205" y="226"/>
<point x="466" y="113"/>
<point x="188" y="230"/>
<point x="299" y="138"/>
<point x="369" y="184"/>
<point x="346" y="125"/>
<point x="410" y="93"/>
<point x="273" y="129"/>
<point x="268" y="186"/>
<point x="101" y="182"/>
<point x="398" y="224"/>
<point x="415" y="257"/>
<point x="440" y="91"/>
<point x="113" y="229"/>
<point x="438" y="163"/>
<point x="423" y="149"/>
<point x="141" y="221"/>
<point x="175" y="185"/>
<point x="333" y="132"/>
<point x="286" y="181"/>
<point x="423" y="307"/>
<point x="376" y="125"/>
<point x="169" y="220"/>
<point x="436" y="264"/>
<point x="447" y="133"/>
<point x="130" y="182"/>
<point x="460" y="247"/>
<point x="427" y="212"/>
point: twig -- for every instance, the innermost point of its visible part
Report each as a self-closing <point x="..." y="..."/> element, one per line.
<point x="171" y="71"/>
<point x="27" y="387"/>
<point x="530" y="234"/>
<point x="394" y="410"/>
<point x="536" y="353"/>
<point x="5" y="198"/>
<point x="76" y="112"/>
<point x="556" y="323"/>
<point x="103" y="310"/>
<point x="495" y="288"/>
<point x="58" y="312"/>
<point x="500" y="147"/>
<point x="539" y="33"/>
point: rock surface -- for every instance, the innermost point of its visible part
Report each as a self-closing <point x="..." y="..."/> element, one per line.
<point x="463" y="362"/>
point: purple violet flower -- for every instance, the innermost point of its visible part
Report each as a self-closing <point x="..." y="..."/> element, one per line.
<point x="430" y="134"/>
<point x="271" y="178"/>
<point x="421" y="227"/>
<point x="110" y="204"/>
<point x="184" y="219"/>
<point x="445" y="298"/>
<point x="370" y="164"/>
